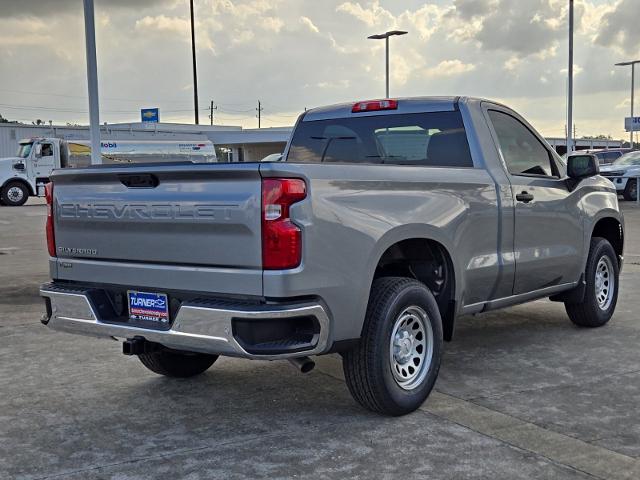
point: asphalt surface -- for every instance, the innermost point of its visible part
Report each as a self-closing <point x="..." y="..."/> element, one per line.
<point x="522" y="394"/>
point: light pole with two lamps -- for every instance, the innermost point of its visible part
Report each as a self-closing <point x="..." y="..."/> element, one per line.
<point x="386" y="36"/>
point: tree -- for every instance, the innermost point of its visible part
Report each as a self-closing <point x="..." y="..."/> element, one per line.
<point x="4" y="120"/>
<point x="597" y="137"/>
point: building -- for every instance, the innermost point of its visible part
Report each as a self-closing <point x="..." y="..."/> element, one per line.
<point x="233" y="143"/>
<point x="560" y="144"/>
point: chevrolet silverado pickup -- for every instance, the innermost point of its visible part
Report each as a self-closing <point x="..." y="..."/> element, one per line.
<point x="384" y="221"/>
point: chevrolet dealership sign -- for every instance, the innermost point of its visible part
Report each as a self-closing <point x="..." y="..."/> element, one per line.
<point x="632" y="124"/>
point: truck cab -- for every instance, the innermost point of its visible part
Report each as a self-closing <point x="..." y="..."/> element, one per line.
<point x="28" y="172"/>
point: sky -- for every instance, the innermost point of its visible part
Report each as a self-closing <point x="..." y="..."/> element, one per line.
<point x="297" y="54"/>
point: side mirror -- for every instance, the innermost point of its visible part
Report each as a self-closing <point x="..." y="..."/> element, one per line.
<point x="38" y="150"/>
<point x="582" y="165"/>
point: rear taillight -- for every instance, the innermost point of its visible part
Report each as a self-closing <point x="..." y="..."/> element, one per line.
<point x="281" y="238"/>
<point x="51" y="240"/>
<point x="374" y="106"/>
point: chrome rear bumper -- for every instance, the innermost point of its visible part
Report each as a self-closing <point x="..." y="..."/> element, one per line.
<point x="198" y="326"/>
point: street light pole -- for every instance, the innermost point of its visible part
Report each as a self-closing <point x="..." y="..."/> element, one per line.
<point x="633" y="80"/>
<point x="570" y="88"/>
<point x="386" y="36"/>
<point x="386" y="41"/>
<point x="195" y="73"/>
<point x="92" y="81"/>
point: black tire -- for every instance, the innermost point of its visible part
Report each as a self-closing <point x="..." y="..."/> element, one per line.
<point x="368" y="367"/>
<point x="177" y="364"/>
<point x="590" y="312"/>
<point x="631" y="190"/>
<point x="10" y="198"/>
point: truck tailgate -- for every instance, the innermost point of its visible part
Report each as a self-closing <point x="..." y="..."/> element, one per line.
<point x="181" y="215"/>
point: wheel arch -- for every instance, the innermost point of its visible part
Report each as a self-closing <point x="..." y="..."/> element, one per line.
<point x="611" y="229"/>
<point x="19" y="180"/>
<point x="426" y="258"/>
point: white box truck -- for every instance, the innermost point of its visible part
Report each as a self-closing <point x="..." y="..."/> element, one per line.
<point x="27" y="173"/>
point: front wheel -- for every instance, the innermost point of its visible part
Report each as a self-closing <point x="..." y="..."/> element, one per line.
<point x="631" y="190"/>
<point x="171" y="363"/>
<point x="14" y="194"/>
<point x="396" y="363"/>
<point x="601" y="293"/>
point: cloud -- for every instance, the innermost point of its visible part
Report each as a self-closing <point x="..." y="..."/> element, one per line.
<point x="162" y="23"/>
<point x="449" y="68"/>
<point x="523" y="26"/>
<point x="374" y="16"/>
<point x="293" y="54"/>
<point x="307" y="22"/>
<point x="619" y="28"/>
<point x="42" y="8"/>
<point x="467" y="9"/>
<point x="273" y="24"/>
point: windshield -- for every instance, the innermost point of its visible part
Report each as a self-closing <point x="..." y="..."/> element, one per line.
<point x="24" y="150"/>
<point x="632" y="158"/>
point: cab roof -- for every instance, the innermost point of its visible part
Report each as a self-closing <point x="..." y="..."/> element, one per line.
<point x="405" y="105"/>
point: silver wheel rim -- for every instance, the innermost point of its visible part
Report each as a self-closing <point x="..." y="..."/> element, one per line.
<point x="605" y="283"/>
<point x="15" y="194"/>
<point x="411" y="347"/>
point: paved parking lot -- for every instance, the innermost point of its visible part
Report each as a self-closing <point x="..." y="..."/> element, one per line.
<point x="522" y="394"/>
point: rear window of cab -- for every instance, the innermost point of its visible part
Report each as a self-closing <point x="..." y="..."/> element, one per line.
<point x="436" y="139"/>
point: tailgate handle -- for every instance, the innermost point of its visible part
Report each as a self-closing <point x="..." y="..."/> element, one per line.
<point x="139" y="180"/>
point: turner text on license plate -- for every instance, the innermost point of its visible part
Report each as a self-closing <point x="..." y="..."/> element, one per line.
<point x="151" y="307"/>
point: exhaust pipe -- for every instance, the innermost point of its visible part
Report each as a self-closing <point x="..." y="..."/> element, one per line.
<point x="304" y="364"/>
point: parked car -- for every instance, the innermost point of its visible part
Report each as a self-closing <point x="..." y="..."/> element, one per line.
<point x="608" y="156"/>
<point x="387" y="220"/>
<point x="624" y="173"/>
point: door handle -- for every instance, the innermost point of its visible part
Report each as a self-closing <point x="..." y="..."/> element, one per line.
<point x="525" y="197"/>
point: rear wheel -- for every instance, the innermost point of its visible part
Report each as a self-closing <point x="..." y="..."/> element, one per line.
<point x="601" y="293"/>
<point x="631" y="190"/>
<point x="14" y="194"/>
<point x="177" y="364"/>
<point x="396" y="363"/>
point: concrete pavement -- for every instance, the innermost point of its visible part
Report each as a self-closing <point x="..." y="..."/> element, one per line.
<point x="522" y="394"/>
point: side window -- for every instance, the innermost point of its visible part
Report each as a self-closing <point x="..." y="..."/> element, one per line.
<point x="523" y="153"/>
<point x="47" y="149"/>
<point x="611" y="156"/>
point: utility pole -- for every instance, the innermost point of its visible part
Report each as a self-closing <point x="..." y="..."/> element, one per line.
<point x="259" y="109"/>
<point x="211" y="109"/>
<point x="570" y="92"/>
<point x="92" y="82"/>
<point x="195" y="72"/>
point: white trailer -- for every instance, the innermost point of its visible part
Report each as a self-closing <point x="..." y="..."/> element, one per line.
<point x="28" y="172"/>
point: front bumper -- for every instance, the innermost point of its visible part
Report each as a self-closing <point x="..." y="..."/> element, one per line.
<point x="199" y="326"/>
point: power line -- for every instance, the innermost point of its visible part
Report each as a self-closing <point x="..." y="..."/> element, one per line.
<point x="84" y="97"/>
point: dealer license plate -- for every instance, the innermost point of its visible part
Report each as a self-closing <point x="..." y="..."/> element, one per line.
<point x="148" y="307"/>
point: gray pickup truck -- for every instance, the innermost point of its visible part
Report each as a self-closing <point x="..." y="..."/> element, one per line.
<point x="385" y="221"/>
